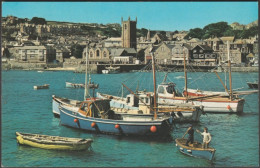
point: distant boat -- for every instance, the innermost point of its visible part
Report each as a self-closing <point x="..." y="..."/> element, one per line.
<point x="53" y="142"/>
<point x="111" y="70"/>
<point x="74" y="85"/>
<point x="40" y="71"/>
<point x="195" y="149"/>
<point x="252" y="85"/>
<point x="45" y="86"/>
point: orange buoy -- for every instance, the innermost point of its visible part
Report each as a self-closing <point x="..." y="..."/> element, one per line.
<point x="76" y="120"/>
<point x="117" y="126"/>
<point x="153" y="128"/>
<point x="228" y="107"/>
<point x="93" y="124"/>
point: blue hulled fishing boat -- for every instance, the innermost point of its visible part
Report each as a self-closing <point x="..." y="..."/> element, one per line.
<point x="195" y="149"/>
<point x="95" y="115"/>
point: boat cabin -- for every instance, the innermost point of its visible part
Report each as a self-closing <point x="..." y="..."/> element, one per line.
<point x="143" y="102"/>
<point x="168" y="90"/>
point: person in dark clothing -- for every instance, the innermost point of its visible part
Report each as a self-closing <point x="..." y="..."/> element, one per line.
<point x="190" y="139"/>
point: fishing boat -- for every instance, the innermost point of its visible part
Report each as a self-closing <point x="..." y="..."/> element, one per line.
<point x="45" y="86"/>
<point x="74" y="85"/>
<point x="253" y="85"/>
<point x="214" y="103"/>
<point x="53" y="142"/>
<point x="195" y="149"/>
<point x="95" y="115"/>
<point x="141" y="103"/>
<point x="111" y="70"/>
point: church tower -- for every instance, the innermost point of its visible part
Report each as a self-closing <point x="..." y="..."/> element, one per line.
<point x="128" y="33"/>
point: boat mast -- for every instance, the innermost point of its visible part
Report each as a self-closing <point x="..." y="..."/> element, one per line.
<point x="86" y="77"/>
<point x="185" y="73"/>
<point x="229" y="65"/>
<point x="154" y="86"/>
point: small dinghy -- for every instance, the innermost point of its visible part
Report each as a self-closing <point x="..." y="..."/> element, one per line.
<point x="195" y="149"/>
<point x="53" y="142"/>
<point x="74" y="85"/>
<point x="45" y="86"/>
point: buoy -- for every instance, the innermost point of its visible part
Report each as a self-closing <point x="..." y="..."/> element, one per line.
<point x="228" y="107"/>
<point x="76" y="120"/>
<point x="117" y="126"/>
<point x="153" y="128"/>
<point x="93" y="124"/>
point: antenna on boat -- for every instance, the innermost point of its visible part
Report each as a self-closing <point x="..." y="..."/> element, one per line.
<point x="165" y="77"/>
<point x="229" y="66"/>
<point x="154" y="85"/>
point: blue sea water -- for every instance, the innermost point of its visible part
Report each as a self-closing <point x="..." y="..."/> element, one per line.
<point x="235" y="137"/>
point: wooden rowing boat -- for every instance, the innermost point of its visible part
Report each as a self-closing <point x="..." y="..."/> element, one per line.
<point x="53" y="142"/>
<point x="195" y="149"/>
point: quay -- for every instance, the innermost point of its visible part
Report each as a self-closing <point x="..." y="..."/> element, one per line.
<point x="94" y="68"/>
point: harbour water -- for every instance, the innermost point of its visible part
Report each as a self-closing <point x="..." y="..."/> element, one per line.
<point x="235" y="137"/>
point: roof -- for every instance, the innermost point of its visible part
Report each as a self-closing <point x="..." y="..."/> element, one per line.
<point x="228" y="38"/>
<point x="170" y="46"/>
<point x="194" y="40"/>
<point x="240" y="41"/>
<point x="189" y="47"/>
<point x="250" y="55"/>
<point x="33" y="47"/>
<point x="130" y="50"/>
<point x="204" y="47"/>
<point x="114" y="39"/>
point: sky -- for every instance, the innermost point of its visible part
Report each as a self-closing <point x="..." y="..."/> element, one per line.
<point x="167" y="16"/>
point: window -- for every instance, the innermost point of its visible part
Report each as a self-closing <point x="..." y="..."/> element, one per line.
<point x="125" y="26"/>
<point x="162" y="49"/>
<point x="201" y="51"/>
<point x="128" y="100"/>
<point x="91" y="54"/>
<point x="161" y="90"/>
<point x="170" y="89"/>
<point x="195" y="56"/>
<point x="97" y="52"/>
<point x="201" y="56"/>
<point x="104" y="54"/>
<point x="194" y="51"/>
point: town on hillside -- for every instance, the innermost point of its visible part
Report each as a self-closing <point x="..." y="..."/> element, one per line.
<point x="36" y="43"/>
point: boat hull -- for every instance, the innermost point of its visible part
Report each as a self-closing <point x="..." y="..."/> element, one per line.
<point x="49" y="145"/>
<point x="195" y="151"/>
<point x="108" y="126"/>
<point x="209" y="105"/>
<point x="74" y="85"/>
<point x="252" y="85"/>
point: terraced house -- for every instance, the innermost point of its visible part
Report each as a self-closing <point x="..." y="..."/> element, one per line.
<point x="35" y="54"/>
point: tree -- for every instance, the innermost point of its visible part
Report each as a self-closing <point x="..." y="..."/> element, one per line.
<point x="195" y="33"/>
<point x="37" y="21"/>
<point x="77" y="50"/>
<point x="215" y="29"/>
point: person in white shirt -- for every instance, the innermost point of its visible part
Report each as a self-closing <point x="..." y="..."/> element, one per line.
<point x="206" y="137"/>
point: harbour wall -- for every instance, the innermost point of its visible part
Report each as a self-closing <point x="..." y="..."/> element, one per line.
<point x="80" y="67"/>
